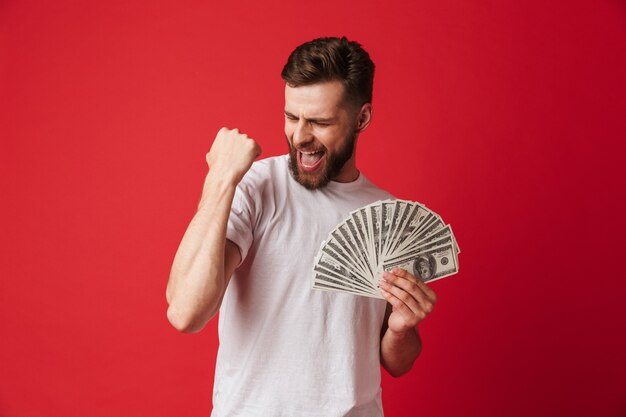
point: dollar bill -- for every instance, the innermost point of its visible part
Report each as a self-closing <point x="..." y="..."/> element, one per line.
<point x="379" y="237"/>
<point x="329" y="265"/>
<point x="430" y="265"/>
<point x="321" y="285"/>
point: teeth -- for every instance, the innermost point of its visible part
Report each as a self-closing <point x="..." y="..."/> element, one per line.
<point x="310" y="153"/>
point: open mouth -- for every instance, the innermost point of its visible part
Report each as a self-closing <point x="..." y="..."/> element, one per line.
<point x="310" y="161"/>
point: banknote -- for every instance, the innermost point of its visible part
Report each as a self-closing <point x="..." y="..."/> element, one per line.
<point x="331" y="266"/>
<point x="380" y="236"/>
<point x="430" y="265"/>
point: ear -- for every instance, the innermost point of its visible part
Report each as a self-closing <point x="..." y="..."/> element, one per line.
<point x="364" y="117"/>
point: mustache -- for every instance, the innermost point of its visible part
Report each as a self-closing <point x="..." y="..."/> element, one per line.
<point x="309" y="147"/>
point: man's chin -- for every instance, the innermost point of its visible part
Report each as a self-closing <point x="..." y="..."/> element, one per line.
<point x="309" y="180"/>
<point x="312" y="180"/>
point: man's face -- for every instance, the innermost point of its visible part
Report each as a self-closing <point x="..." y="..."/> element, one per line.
<point x="321" y="129"/>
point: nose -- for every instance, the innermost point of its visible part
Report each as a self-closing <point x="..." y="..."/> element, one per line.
<point x="302" y="133"/>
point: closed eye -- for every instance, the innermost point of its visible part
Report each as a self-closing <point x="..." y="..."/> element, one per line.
<point x="316" y="122"/>
<point x="323" y="124"/>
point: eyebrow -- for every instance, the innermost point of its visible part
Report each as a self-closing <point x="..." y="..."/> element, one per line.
<point x="312" y="119"/>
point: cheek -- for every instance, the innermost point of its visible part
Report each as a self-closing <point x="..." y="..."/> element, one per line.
<point x="288" y="132"/>
<point x="331" y="139"/>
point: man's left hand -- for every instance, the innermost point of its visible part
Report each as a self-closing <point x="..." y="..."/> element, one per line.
<point x="410" y="298"/>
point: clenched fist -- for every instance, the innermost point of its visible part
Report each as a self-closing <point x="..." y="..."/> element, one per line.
<point x="231" y="155"/>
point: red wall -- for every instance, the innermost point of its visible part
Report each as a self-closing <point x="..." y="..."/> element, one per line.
<point x="506" y="117"/>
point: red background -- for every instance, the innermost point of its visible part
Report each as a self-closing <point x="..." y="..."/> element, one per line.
<point x="508" y="118"/>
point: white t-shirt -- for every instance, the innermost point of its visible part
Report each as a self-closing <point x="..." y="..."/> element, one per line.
<point x="287" y="349"/>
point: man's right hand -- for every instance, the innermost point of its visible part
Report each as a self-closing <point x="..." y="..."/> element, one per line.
<point x="231" y="155"/>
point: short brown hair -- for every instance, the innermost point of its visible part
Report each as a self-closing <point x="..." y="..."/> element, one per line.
<point x="328" y="59"/>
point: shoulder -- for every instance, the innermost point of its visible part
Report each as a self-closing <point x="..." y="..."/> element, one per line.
<point x="264" y="173"/>
<point x="266" y="168"/>
<point x="374" y="190"/>
<point x="272" y="164"/>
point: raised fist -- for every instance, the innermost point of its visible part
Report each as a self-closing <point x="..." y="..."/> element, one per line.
<point x="231" y="155"/>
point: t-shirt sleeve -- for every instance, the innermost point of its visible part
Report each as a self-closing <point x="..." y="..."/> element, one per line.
<point x="240" y="222"/>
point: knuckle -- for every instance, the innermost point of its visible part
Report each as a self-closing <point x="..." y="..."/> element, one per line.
<point x="434" y="297"/>
<point x="390" y="278"/>
<point x="405" y="297"/>
<point x="393" y="301"/>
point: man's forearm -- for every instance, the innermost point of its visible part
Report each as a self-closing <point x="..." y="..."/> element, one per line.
<point x="197" y="279"/>
<point x="204" y="262"/>
<point x="398" y="351"/>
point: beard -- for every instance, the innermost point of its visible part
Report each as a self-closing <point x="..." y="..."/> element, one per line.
<point x="332" y="166"/>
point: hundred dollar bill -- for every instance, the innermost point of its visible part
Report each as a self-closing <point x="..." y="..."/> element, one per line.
<point x="379" y="237"/>
<point x="405" y="219"/>
<point x="332" y="250"/>
<point x="359" y="256"/>
<point x="433" y="225"/>
<point x="428" y="245"/>
<point x="323" y="282"/>
<point x="338" y="243"/>
<point x="399" y="214"/>
<point x="321" y="285"/>
<point x="351" y="235"/>
<point x="359" y="218"/>
<point x="375" y="219"/>
<point x="414" y="221"/>
<point x="435" y="234"/>
<point x="387" y="209"/>
<point x="429" y="265"/>
<point x="332" y="280"/>
<point x="330" y="266"/>
<point x="433" y="231"/>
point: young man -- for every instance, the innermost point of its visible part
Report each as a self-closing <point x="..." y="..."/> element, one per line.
<point x="285" y="349"/>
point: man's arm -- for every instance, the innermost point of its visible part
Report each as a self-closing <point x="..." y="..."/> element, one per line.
<point x="410" y="301"/>
<point x="205" y="259"/>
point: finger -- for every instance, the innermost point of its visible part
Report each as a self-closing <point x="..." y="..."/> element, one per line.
<point x="425" y="288"/>
<point x="410" y="317"/>
<point x="405" y="297"/>
<point x="258" y="150"/>
<point x="411" y="286"/>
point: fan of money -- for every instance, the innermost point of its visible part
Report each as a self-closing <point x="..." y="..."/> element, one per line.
<point x="379" y="237"/>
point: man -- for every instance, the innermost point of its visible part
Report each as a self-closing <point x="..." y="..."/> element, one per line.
<point x="285" y="349"/>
